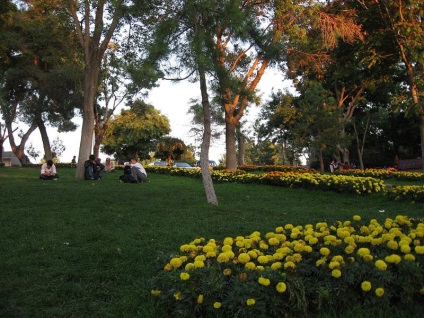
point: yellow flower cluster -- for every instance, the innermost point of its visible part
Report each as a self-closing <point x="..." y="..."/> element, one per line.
<point x="288" y="246"/>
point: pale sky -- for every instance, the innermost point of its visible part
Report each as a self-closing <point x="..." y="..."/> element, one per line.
<point x="173" y="101"/>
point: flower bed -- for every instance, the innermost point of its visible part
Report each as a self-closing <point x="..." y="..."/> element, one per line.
<point x="296" y="271"/>
<point x="411" y="193"/>
<point x="316" y="181"/>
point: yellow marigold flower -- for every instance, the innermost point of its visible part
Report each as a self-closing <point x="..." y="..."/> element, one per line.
<point x="252" y="254"/>
<point x="269" y="235"/>
<point x="281" y="287"/>
<point x="379" y="291"/>
<point x="200" y="299"/>
<point x="201" y="258"/>
<point x="185" y="248"/>
<point x="243" y="258"/>
<point x="406" y="249"/>
<point x="368" y="258"/>
<point x="357" y="218"/>
<point x="250" y="302"/>
<point x="279" y="229"/>
<point x="223" y="257"/>
<point x="288" y="226"/>
<point x="227" y="272"/>
<point x="250" y="265"/>
<point x="177" y="295"/>
<point x="184" y="276"/>
<point x="324" y="251"/>
<point x="211" y="254"/>
<point x="264" y="281"/>
<point x="320" y="262"/>
<point x="168" y="267"/>
<point x="349" y="249"/>
<point x="299" y="247"/>
<point x="394" y="258"/>
<point x="296" y="257"/>
<point x="262" y="259"/>
<point x="155" y="292"/>
<point x="227" y="248"/>
<point x="276" y="265"/>
<point x="366" y="286"/>
<point x="381" y="265"/>
<point x="289" y="265"/>
<point x="278" y="256"/>
<point x="363" y="251"/>
<point x="263" y="245"/>
<point x="419" y="249"/>
<point x="336" y="273"/>
<point x="208" y="248"/>
<point x="409" y="257"/>
<point x="307" y="249"/>
<point x="393" y="245"/>
<point x="176" y="262"/>
<point x="313" y="241"/>
<point x="260" y="268"/>
<point x="294" y="235"/>
<point x="333" y="265"/>
<point x="228" y="241"/>
<point x="217" y="305"/>
<point x="199" y="264"/>
<point x="273" y="241"/>
<point x="189" y="266"/>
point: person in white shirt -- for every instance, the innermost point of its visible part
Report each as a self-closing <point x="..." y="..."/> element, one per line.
<point x="138" y="171"/>
<point x="48" y="171"/>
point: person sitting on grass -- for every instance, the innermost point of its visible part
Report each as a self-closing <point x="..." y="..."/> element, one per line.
<point x="93" y="168"/>
<point x="48" y="171"/>
<point x="109" y="166"/>
<point x="138" y="171"/>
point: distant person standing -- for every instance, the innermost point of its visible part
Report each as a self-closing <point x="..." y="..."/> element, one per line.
<point x="48" y="171"/>
<point x="333" y="166"/>
<point x="74" y="161"/>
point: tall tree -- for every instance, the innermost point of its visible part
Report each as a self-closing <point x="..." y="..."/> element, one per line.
<point x="397" y="30"/>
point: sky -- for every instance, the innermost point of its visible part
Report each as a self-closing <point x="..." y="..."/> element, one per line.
<point x="173" y="101"/>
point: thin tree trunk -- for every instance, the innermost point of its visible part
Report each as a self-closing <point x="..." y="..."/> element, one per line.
<point x="87" y="129"/>
<point x="204" y="154"/>
<point x="230" y="145"/>
<point x="18" y="150"/>
<point x="45" y="139"/>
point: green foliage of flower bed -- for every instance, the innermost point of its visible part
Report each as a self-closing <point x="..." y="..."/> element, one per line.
<point x="296" y="271"/>
<point x="411" y="193"/>
<point x="316" y="181"/>
<point x="359" y="182"/>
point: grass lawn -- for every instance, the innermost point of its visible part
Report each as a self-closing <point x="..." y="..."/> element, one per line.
<point x="87" y="249"/>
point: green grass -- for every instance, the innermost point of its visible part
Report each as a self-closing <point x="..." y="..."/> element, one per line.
<point x="87" y="249"/>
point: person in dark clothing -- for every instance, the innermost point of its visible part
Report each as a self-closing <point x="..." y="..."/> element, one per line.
<point x="93" y="168"/>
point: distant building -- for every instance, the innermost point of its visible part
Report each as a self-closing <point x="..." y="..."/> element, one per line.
<point x="9" y="159"/>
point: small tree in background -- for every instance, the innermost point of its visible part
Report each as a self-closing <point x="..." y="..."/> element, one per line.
<point x="170" y="148"/>
<point x="134" y="132"/>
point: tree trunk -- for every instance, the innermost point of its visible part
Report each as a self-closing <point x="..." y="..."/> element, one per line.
<point x="87" y="129"/>
<point x="321" y="161"/>
<point x="422" y="135"/>
<point x="241" y="147"/>
<point x="18" y="150"/>
<point x="204" y="154"/>
<point x="230" y="145"/>
<point x="45" y="138"/>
